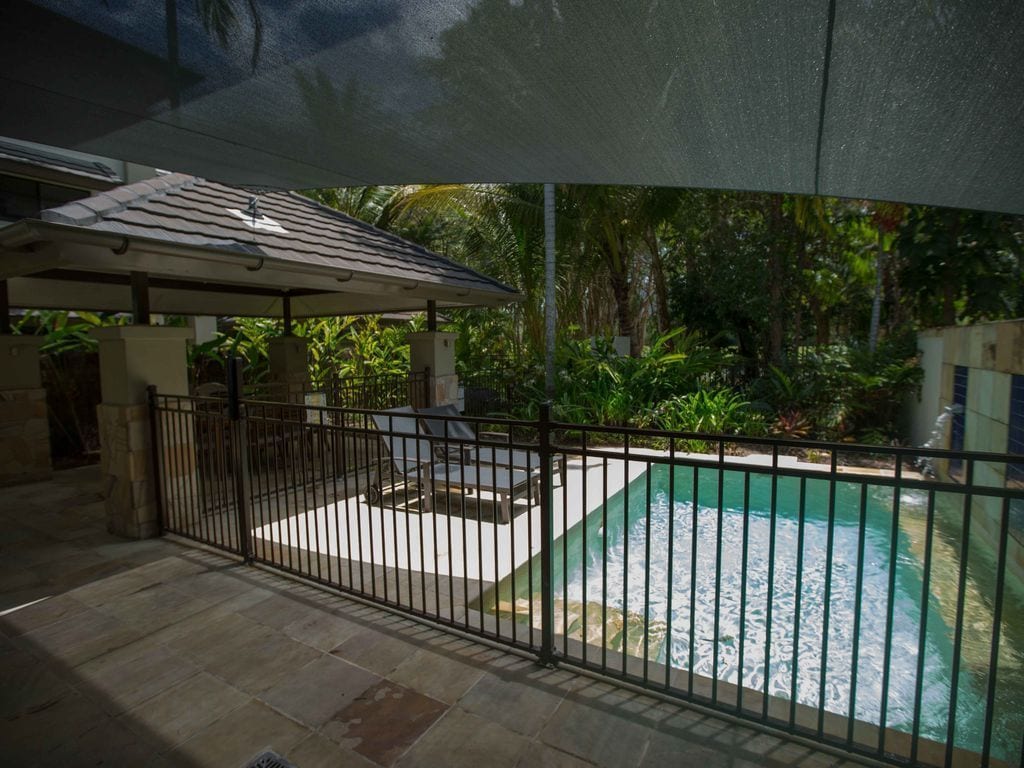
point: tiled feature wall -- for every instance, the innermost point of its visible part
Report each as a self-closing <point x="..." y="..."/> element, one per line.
<point x="992" y="356"/>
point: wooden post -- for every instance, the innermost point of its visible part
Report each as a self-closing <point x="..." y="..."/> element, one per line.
<point x="140" y="298"/>
<point x="286" y="311"/>
<point x="5" y="308"/>
<point x="431" y="315"/>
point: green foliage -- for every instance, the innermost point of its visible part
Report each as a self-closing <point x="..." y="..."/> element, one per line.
<point x="962" y="265"/>
<point x="66" y="331"/>
<point x="596" y="385"/>
<point x="339" y="347"/>
<point x="712" y="411"/>
<point x="842" y="392"/>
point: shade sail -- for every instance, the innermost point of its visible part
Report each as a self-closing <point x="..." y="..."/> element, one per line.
<point x="917" y="101"/>
<point x="212" y="249"/>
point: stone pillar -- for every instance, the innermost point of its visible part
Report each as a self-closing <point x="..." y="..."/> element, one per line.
<point x="289" y="368"/>
<point x="436" y="350"/>
<point x="131" y="358"/>
<point x="24" y="428"/>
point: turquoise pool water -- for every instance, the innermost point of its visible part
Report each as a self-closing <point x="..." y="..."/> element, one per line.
<point x="597" y="553"/>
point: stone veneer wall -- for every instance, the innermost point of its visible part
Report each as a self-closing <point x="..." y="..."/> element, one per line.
<point x="126" y="466"/>
<point x="24" y="436"/>
<point x="445" y="389"/>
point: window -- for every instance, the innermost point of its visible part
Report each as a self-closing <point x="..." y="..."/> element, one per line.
<point x="956" y="436"/>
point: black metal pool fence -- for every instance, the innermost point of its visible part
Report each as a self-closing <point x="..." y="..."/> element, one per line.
<point x="827" y="590"/>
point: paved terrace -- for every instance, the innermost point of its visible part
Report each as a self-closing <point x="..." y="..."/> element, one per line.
<point x="153" y="654"/>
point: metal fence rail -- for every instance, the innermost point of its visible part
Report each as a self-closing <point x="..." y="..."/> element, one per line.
<point x="838" y="594"/>
<point x="380" y="391"/>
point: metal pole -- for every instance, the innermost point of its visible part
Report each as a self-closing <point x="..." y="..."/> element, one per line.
<point x="240" y="455"/>
<point x="156" y="446"/>
<point x="547" y="611"/>
<point x="549" y="290"/>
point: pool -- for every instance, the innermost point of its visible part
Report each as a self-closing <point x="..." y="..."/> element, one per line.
<point x="605" y="557"/>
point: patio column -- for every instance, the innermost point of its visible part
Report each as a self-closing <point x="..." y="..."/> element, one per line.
<point x="131" y="358"/>
<point x="289" y="368"/>
<point x="436" y="350"/>
<point x="24" y="427"/>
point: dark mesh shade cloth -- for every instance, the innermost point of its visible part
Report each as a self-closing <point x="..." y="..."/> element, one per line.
<point x="917" y="101"/>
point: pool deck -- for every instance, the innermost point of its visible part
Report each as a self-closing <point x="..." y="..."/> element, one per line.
<point x="154" y="653"/>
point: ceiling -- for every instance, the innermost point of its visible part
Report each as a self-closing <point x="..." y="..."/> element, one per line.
<point x="917" y="101"/>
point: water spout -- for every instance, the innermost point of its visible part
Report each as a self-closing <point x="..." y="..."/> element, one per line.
<point x="937" y="438"/>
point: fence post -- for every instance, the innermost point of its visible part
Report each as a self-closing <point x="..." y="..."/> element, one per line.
<point x="547" y="597"/>
<point x="156" y="449"/>
<point x="240" y="457"/>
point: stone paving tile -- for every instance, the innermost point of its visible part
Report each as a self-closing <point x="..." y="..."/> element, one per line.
<point x="259" y="662"/>
<point x="323" y="631"/>
<point x="75" y="572"/>
<point x="436" y="675"/>
<point x="376" y="651"/>
<point x="33" y="732"/>
<point x="462" y="740"/>
<point x="512" y="700"/>
<point x="384" y="721"/>
<point x="76" y="639"/>
<point x="208" y="636"/>
<point x="199" y="623"/>
<point x="27" y="685"/>
<point x="40" y="614"/>
<point x="107" y="590"/>
<point x="154" y="607"/>
<point x="213" y="585"/>
<point x="182" y="711"/>
<point x="319" y="690"/>
<point x="663" y="749"/>
<point x="128" y="676"/>
<point x="110" y="744"/>
<point x="240" y="736"/>
<point x="583" y="730"/>
<point x="542" y="756"/>
<point x="320" y="752"/>
<point x="278" y="611"/>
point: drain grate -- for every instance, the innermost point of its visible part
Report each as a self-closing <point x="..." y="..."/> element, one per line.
<point x="268" y="759"/>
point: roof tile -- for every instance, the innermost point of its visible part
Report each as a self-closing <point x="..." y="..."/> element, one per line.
<point x="185" y="209"/>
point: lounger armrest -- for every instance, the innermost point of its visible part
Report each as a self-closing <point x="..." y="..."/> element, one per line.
<point x="452" y="452"/>
<point x="494" y="437"/>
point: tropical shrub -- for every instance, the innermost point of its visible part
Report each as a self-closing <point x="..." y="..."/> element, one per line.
<point x="713" y="411"/>
<point x="846" y="392"/>
<point x="596" y="385"/>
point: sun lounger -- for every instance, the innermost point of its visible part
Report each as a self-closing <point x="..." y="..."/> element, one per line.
<point x="460" y="436"/>
<point x="417" y="460"/>
<point x="410" y="455"/>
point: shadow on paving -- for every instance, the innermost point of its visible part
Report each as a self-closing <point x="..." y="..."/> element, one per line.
<point x="152" y="653"/>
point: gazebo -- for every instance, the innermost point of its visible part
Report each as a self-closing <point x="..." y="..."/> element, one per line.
<point x="182" y="245"/>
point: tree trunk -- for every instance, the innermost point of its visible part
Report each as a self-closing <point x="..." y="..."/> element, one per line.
<point x="776" y="278"/>
<point x="948" y="303"/>
<point x="660" y="287"/>
<point x="822" y="326"/>
<point x="624" y="309"/>
<point x="876" y="302"/>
